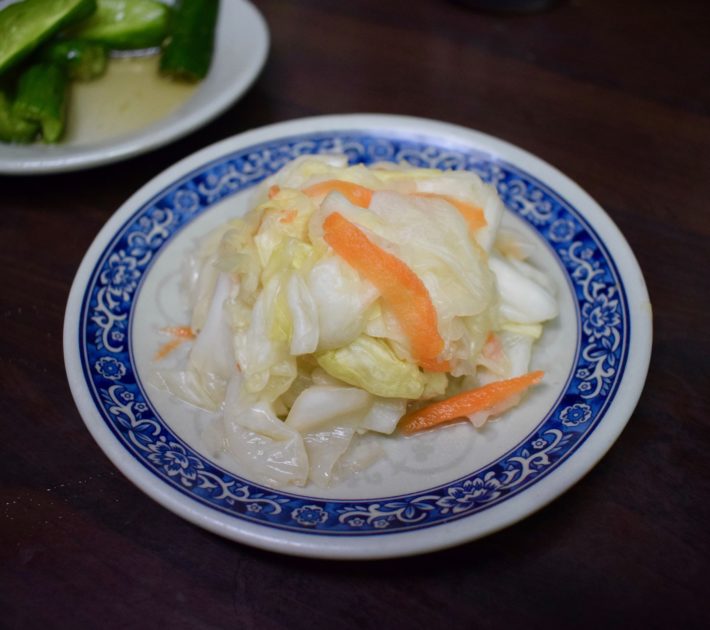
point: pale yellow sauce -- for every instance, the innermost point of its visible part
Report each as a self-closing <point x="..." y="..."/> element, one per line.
<point x="130" y="96"/>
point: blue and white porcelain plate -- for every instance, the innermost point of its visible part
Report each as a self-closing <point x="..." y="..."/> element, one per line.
<point x="428" y="491"/>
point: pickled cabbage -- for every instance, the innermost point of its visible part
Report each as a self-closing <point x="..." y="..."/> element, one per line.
<point x="301" y="351"/>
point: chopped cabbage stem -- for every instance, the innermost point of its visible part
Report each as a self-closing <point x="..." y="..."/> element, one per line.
<point x="474" y="215"/>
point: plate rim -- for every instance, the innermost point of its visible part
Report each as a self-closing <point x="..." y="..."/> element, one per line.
<point x="20" y="160"/>
<point x="401" y="543"/>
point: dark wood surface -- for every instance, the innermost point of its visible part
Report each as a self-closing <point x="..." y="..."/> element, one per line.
<point x="615" y="94"/>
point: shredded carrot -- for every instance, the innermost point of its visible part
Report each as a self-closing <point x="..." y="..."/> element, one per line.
<point x="435" y="365"/>
<point x="179" y="334"/>
<point x="273" y="191"/>
<point x="401" y="289"/>
<point x="167" y="348"/>
<point x="289" y="216"/>
<point x="472" y="214"/>
<point x="466" y="403"/>
<point x="184" y="332"/>
<point x="354" y="193"/>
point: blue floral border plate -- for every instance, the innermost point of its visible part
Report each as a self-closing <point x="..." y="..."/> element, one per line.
<point x="590" y="404"/>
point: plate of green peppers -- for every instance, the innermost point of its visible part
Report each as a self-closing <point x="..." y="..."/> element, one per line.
<point x="49" y="46"/>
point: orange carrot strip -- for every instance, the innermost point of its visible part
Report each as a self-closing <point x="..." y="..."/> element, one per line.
<point x="354" y="193"/>
<point x="473" y="214"/>
<point x="467" y="403"/>
<point x="167" y="348"/>
<point x="273" y="191"/>
<point x="179" y="331"/>
<point x="179" y="334"/>
<point x="435" y="365"/>
<point x="401" y="289"/>
<point x="289" y="216"/>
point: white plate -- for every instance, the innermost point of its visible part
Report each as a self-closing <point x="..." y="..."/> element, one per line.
<point x="241" y="46"/>
<point x="430" y="491"/>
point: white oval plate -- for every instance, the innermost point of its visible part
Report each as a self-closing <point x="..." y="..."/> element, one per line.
<point x="430" y="491"/>
<point x="241" y="46"/>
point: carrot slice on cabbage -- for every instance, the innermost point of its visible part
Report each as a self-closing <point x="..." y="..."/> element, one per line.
<point x="435" y="365"/>
<point x="403" y="293"/>
<point x="471" y="213"/>
<point x="466" y="403"/>
<point x="354" y="193"/>
<point x="185" y="332"/>
<point x="289" y="216"/>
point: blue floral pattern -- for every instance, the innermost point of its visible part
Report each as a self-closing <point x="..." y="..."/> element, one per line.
<point x="110" y="368"/>
<point x="575" y="414"/>
<point x="121" y="275"/>
<point x="309" y="515"/>
<point x="174" y="459"/>
<point x="601" y="316"/>
<point x="481" y="489"/>
<point x="110" y="374"/>
<point x="562" y="230"/>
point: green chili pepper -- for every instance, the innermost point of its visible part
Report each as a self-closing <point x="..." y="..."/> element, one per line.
<point x="25" y="25"/>
<point x="126" y="24"/>
<point x="187" y="53"/>
<point x="82" y="59"/>
<point x="13" y="128"/>
<point x="42" y="92"/>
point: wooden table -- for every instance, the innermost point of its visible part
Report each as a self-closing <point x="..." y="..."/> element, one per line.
<point x="616" y="95"/>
